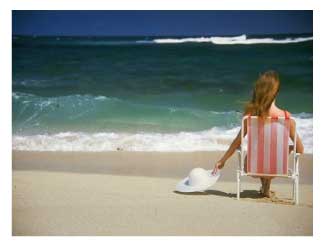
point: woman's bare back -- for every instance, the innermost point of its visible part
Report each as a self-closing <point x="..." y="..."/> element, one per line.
<point x="275" y="111"/>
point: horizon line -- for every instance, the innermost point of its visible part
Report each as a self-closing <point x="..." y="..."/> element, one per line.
<point x="155" y="35"/>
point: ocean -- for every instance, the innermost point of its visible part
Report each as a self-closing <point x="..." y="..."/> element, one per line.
<point x="150" y="93"/>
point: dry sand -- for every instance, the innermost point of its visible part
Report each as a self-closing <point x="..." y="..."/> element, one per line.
<point x="132" y="193"/>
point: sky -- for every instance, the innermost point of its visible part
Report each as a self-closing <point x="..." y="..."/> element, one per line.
<point x="160" y="23"/>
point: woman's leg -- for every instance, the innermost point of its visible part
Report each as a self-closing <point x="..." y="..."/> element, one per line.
<point x="267" y="186"/>
<point x="265" y="182"/>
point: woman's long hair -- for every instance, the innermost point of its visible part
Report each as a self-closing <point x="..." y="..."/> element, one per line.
<point x="265" y="92"/>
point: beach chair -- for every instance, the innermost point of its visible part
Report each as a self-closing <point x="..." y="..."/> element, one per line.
<point x="265" y="149"/>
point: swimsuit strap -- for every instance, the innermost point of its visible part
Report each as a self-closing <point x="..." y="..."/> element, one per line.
<point x="287" y="114"/>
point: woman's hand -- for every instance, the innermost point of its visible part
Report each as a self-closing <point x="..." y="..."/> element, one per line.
<point x="219" y="165"/>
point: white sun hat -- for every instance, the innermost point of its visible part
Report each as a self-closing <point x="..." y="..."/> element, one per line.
<point x="198" y="180"/>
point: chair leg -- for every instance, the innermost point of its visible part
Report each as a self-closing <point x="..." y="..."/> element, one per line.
<point x="297" y="190"/>
<point x="297" y="177"/>
<point x="238" y="185"/>
<point x="293" y="190"/>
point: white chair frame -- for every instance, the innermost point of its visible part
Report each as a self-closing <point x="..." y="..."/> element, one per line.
<point x="294" y="175"/>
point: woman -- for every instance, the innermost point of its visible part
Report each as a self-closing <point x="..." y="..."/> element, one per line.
<point x="263" y="105"/>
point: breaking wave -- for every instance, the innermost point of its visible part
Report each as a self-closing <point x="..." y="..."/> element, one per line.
<point x="208" y="140"/>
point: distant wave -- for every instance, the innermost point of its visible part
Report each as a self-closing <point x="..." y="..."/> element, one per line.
<point x="233" y="40"/>
<point x="218" y="40"/>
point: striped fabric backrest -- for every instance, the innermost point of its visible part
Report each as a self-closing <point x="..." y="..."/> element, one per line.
<point x="268" y="145"/>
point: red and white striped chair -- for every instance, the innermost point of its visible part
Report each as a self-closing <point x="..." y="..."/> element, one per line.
<point x="266" y="150"/>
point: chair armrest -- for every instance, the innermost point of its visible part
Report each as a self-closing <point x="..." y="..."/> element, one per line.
<point x="297" y="155"/>
<point x="238" y="150"/>
<point x="296" y="162"/>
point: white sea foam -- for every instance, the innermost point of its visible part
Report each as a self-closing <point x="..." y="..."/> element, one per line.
<point x="213" y="139"/>
<point x="233" y="40"/>
<point x="304" y="123"/>
<point x="207" y="140"/>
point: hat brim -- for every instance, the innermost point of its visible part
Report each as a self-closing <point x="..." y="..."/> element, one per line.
<point x="184" y="187"/>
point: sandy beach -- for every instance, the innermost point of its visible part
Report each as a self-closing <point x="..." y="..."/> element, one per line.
<point x="132" y="193"/>
<point x="107" y="119"/>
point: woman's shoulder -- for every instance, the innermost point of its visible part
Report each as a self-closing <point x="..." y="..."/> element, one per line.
<point x="279" y="112"/>
<point x="274" y="113"/>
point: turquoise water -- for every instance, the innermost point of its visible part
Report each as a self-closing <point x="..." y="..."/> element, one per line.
<point x="80" y="87"/>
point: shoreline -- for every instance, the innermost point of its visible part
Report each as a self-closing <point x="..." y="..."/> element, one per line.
<point x="153" y="164"/>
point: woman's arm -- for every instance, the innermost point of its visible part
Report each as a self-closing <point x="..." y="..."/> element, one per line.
<point x="299" y="145"/>
<point x="233" y="147"/>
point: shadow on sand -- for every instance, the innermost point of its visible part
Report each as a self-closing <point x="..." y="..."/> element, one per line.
<point x="251" y="194"/>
